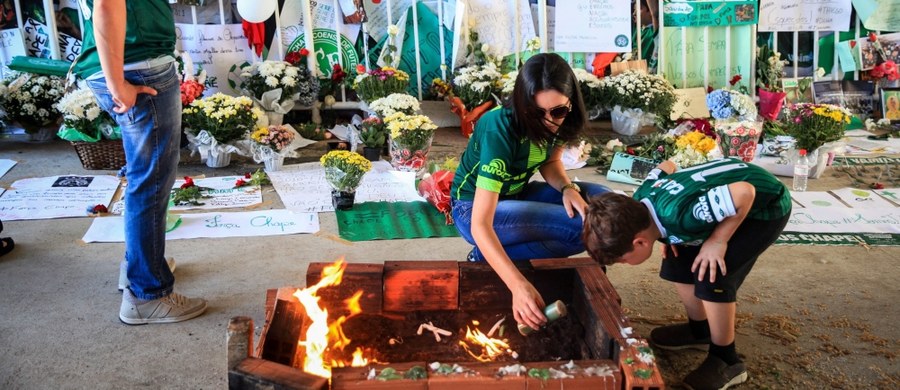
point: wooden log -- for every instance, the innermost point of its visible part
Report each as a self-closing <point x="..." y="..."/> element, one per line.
<point x="357" y="378"/>
<point x="260" y="374"/>
<point x="367" y="278"/>
<point x="284" y="330"/>
<point x="239" y="340"/>
<point x="421" y="285"/>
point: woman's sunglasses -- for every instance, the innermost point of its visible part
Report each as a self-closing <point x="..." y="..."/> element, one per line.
<point x="557" y="113"/>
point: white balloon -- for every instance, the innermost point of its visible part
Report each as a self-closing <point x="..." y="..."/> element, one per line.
<point x="256" y="11"/>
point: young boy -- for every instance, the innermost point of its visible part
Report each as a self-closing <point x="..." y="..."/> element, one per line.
<point x="716" y="218"/>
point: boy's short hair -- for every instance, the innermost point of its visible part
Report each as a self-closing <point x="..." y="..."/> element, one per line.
<point x="611" y="223"/>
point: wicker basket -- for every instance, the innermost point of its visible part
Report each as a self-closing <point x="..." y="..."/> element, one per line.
<point x="106" y="154"/>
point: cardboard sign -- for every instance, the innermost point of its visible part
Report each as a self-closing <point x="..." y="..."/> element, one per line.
<point x="626" y="168"/>
<point x="593" y="26"/>
<point x="691" y="103"/>
<point x="793" y="15"/>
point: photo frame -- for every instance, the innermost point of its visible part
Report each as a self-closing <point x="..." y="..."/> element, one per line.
<point x="890" y="104"/>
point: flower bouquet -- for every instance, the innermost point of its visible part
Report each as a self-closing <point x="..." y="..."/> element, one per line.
<point x="372" y="134"/>
<point x="411" y="137"/>
<point x="277" y="85"/>
<point x="83" y="120"/>
<point x="693" y="148"/>
<point x="736" y="122"/>
<point x="813" y="127"/>
<point x="193" y="82"/>
<point x="217" y="121"/>
<point x="473" y="92"/>
<point x="378" y="83"/>
<point x="769" y="70"/>
<point x="270" y="145"/>
<point x="640" y="100"/>
<point x="344" y="171"/>
<point x="394" y="103"/>
<point x="30" y="99"/>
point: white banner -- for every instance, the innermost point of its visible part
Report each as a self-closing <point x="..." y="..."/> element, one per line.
<point x="223" y="195"/>
<point x="11" y="45"/>
<point x="862" y="199"/>
<point x="6" y="165"/>
<point x="216" y="48"/>
<point x="56" y="196"/>
<point x="593" y="26"/>
<point x="495" y="24"/>
<point x="303" y="188"/>
<point x="816" y="199"/>
<point x="793" y="15"/>
<point x="216" y="225"/>
<point x="844" y="220"/>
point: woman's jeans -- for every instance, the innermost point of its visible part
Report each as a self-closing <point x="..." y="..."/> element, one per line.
<point x="532" y="224"/>
<point x="150" y="136"/>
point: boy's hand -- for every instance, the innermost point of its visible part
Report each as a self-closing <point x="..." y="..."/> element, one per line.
<point x="711" y="256"/>
<point x="528" y="306"/>
<point x="574" y="203"/>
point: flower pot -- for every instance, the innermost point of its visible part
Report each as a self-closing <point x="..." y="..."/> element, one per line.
<point x="372" y="154"/>
<point x="738" y="138"/>
<point x="274" y="163"/>
<point x="216" y="159"/>
<point x="342" y="200"/>
<point x="409" y="157"/>
<point x="468" y="118"/>
<point x="770" y="103"/>
<point x="630" y="121"/>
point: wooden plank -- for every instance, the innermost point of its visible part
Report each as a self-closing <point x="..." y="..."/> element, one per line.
<point x="357" y="277"/>
<point x="356" y="378"/>
<point x="421" y="285"/>
<point x="239" y="340"/>
<point x="481" y="288"/>
<point x="629" y="372"/>
<point x="280" y="343"/>
<point x="255" y="373"/>
<point x="563" y="263"/>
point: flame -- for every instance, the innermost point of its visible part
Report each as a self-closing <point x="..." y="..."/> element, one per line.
<point x="322" y="336"/>
<point x="491" y="348"/>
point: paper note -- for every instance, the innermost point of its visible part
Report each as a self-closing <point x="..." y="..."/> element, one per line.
<point x="11" y="45"/>
<point x="810" y="199"/>
<point x="691" y="103"/>
<point x="216" y="48"/>
<point x="862" y="199"/>
<point x="56" y="196"/>
<point x="223" y="194"/>
<point x="626" y="168"/>
<point x="709" y="13"/>
<point x="5" y="166"/>
<point x="879" y="15"/>
<point x="593" y="26"/>
<point x="689" y="47"/>
<point x="793" y="15"/>
<point x="215" y="225"/>
<point x="846" y="57"/>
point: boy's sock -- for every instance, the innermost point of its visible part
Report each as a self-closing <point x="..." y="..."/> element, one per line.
<point x="727" y="353"/>
<point x="699" y="329"/>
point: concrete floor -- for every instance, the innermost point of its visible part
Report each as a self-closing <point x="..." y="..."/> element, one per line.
<point x="58" y="299"/>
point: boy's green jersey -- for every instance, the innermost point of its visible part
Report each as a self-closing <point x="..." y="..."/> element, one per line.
<point x="688" y="204"/>
<point x="496" y="159"/>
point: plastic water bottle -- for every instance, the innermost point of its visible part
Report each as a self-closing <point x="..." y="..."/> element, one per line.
<point x="801" y="171"/>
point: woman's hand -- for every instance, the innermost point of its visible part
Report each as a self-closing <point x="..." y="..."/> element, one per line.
<point x="711" y="256"/>
<point x="573" y="202"/>
<point x="528" y="306"/>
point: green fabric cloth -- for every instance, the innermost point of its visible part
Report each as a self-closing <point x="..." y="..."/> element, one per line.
<point x="149" y="34"/>
<point x="496" y="159"/>
<point x="689" y="203"/>
<point x="392" y="220"/>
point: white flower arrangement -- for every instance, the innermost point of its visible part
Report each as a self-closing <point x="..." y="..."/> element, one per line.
<point x="78" y="105"/>
<point x="30" y="99"/>
<point x="394" y="103"/>
<point x="260" y="80"/>
<point x="508" y="83"/>
<point x="476" y="84"/>
<point x="83" y="120"/>
<point x="636" y="90"/>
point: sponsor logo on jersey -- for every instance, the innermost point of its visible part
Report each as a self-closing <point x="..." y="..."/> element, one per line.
<point x="674" y="240"/>
<point x="496" y="167"/>
<point x="701" y="210"/>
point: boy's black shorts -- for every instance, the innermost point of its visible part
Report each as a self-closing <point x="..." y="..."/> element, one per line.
<point x="750" y="240"/>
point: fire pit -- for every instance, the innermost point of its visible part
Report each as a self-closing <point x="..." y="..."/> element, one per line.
<point x="439" y="325"/>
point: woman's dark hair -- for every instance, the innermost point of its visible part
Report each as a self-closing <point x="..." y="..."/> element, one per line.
<point x="610" y="224"/>
<point x="542" y="72"/>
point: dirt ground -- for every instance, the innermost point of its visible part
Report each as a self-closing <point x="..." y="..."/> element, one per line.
<point x="808" y="316"/>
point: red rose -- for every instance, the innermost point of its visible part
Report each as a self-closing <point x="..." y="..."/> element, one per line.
<point x="188" y="182"/>
<point x="734" y="80"/>
<point x="292" y="58"/>
<point x="102" y="209"/>
<point x="877" y="186"/>
<point x="240" y="183"/>
<point x="304" y="52"/>
<point x="337" y="74"/>
<point x="709" y="89"/>
<point x="248" y="175"/>
<point x="360" y="68"/>
<point x="872" y="37"/>
<point x="889" y="68"/>
<point x="630" y="151"/>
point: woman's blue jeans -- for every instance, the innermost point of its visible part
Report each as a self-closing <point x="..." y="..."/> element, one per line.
<point x="532" y="224"/>
<point x="150" y="136"/>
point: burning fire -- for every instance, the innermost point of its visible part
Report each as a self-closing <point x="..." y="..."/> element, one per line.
<point x="322" y="336"/>
<point x="491" y="348"/>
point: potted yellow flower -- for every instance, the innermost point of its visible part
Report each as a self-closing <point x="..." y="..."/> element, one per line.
<point x="411" y="137"/>
<point x="214" y="123"/>
<point x="344" y="171"/>
<point x="814" y="126"/>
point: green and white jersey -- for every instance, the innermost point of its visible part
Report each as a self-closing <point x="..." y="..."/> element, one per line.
<point x="496" y="159"/>
<point x="688" y="204"/>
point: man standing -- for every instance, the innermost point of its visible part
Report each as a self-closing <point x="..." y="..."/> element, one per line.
<point x="127" y="61"/>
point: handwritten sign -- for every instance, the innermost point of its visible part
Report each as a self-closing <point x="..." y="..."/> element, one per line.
<point x="691" y="45"/>
<point x="216" y="225"/>
<point x="844" y="220"/>
<point x="593" y="26"/>
<point x="883" y="15"/>
<point x="709" y="13"/>
<point x="792" y="15"/>
<point x="223" y="194"/>
<point x="56" y="196"/>
<point x="11" y="45"/>
<point x="303" y="187"/>
<point x="37" y="38"/>
<point x="690" y="103"/>
<point x="496" y="27"/>
<point x="216" y="48"/>
<point x="626" y="168"/>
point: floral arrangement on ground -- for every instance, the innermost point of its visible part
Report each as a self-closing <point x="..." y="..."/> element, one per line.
<point x="344" y="169"/>
<point x="30" y="99"/>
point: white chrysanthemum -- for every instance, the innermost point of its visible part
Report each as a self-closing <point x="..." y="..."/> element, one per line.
<point x="288" y="81"/>
<point x="92" y="113"/>
<point x="272" y="81"/>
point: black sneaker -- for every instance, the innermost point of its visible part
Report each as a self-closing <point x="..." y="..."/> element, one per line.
<point x="715" y="374"/>
<point x="677" y="337"/>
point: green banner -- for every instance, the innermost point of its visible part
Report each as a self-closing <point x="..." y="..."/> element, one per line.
<point x="710" y="13"/>
<point x="839" y="239"/>
<point x="392" y="220"/>
<point x="893" y="161"/>
<point x="684" y="56"/>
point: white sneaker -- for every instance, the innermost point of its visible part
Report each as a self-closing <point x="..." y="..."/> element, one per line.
<point x="168" y="309"/>
<point x="123" y="272"/>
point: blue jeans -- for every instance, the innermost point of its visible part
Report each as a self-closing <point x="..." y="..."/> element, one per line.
<point x="150" y="136"/>
<point x="532" y="224"/>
